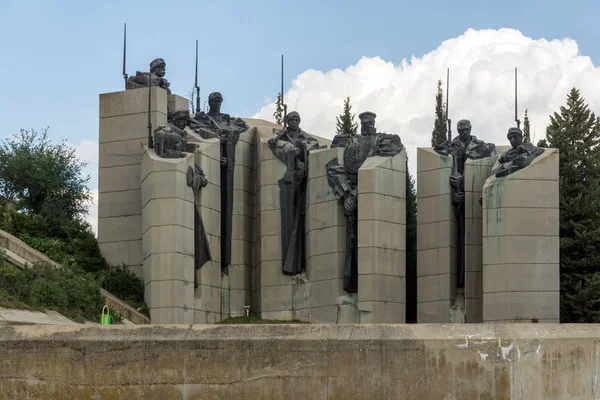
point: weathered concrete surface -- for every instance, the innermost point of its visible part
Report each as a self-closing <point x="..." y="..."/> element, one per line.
<point x="9" y="316"/>
<point x="426" y="361"/>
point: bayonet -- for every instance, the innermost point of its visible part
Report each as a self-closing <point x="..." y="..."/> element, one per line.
<point x="282" y="102"/>
<point x="448" y="121"/>
<point x="516" y="110"/>
<point x="125" y="54"/>
<point x="196" y="87"/>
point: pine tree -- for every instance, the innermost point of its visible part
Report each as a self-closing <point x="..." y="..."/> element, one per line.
<point x="526" y="128"/>
<point x="411" y="248"/>
<point x="438" y="135"/>
<point x="345" y="124"/>
<point x="575" y="131"/>
<point x="278" y="114"/>
<point x="542" y="143"/>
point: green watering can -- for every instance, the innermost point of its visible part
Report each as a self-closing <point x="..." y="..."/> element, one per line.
<point x="105" y="318"/>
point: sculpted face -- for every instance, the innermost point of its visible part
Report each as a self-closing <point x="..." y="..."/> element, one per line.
<point x="515" y="140"/>
<point x="367" y="126"/>
<point x="180" y="122"/>
<point x="215" y="104"/>
<point x="160" y="70"/>
<point x="294" y="123"/>
<point x="464" y="133"/>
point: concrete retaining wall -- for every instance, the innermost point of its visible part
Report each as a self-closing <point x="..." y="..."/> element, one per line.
<point x="449" y="361"/>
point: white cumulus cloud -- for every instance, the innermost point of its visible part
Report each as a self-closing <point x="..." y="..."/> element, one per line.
<point x="481" y="66"/>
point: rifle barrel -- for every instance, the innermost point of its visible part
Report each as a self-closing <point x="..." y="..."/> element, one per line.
<point x="196" y="82"/>
<point x="447" y="90"/>
<point x="150" y="142"/>
<point x="125" y="53"/>
<point x="516" y="107"/>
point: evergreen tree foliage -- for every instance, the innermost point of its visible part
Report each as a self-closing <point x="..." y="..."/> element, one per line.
<point x="575" y="131"/>
<point x="411" y="248"/>
<point x="345" y="124"/>
<point x="440" y="129"/>
<point x="542" y="143"/>
<point x="526" y="128"/>
<point x="278" y="114"/>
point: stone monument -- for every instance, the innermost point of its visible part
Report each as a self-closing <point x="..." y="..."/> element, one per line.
<point x="155" y="77"/>
<point x="521" y="260"/>
<point x="441" y="232"/>
<point x="343" y="179"/>
<point x="216" y="124"/>
<point x="292" y="146"/>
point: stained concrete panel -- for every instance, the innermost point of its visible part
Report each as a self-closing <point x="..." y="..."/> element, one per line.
<point x="382" y="226"/>
<point x="521" y="243"/>
<point x="476" y="172"/>
<point x="122" y="127"/>
<point x="325" y="240"/>
<point x="168" y="242"/>
<point x="436" y="229"/>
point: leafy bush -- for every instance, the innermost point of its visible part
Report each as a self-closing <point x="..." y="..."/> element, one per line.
<point x="75" y="295"/>
<point x="124" y="284"/>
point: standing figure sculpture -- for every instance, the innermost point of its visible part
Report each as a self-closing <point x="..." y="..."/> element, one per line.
<point x="215" y="124"/>
<point x="519" y="157"/>
<point x="292" y="146"/>
<point x="196" y="179"/>
<point x="156" y="76"/>
<point x="464" y="146"/>
<point x="343" y="179"/>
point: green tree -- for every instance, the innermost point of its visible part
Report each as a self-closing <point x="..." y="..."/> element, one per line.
<point x="575" y="131"/>
<point x="440" y="129"/>
<point x="42" y="178"/>
<point x="542" y="143"/>
<point x="526" y="128"/>
<point x="411" y="248"/>
<point x="278" y="114"/>
<point x="345" y="124"/>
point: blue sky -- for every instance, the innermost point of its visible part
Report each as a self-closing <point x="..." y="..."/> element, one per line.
<point x="56" y="60"/>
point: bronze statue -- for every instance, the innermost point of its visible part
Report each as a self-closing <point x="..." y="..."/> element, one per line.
<point x="343" y="179"/>
<point x="464" y="146"/>
<point x="196" y="179"/>
<point x="519" y="157"/>
<point x="170" y="140"/>
<point x="155" y="76"/>
<point x="292" y="146"/>
<point x="212" y="125"/>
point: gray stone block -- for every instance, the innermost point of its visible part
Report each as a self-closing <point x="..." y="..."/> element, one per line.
<point x="119" y="204"/>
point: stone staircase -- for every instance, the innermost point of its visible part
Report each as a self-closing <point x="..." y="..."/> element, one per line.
<point x="19" y="254"/>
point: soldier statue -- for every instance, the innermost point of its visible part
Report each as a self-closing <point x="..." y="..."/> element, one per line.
<point x="292" y="146"/>
<point x="343" y="179"/>
<point x="215" y="124"/>
<point x="156" y="76"/>
<point x="519" y="157"/>
<point x="464" y="146"/>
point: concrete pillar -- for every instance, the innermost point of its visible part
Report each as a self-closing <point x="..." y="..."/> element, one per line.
<point x="326" y="245"/>
<point x="123" y="126"/>
<point x="436" y="230"/>
<point x="521" y="274"/>
<point x="382" y="239"/>
<point x="476" y="172"/>
<point x="238" y="285"/>
<point x="279" y="295"/>
<point x="177" y="103"/>
<point x="168" y="238"/>
<point x="208" y="294"/>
